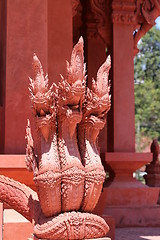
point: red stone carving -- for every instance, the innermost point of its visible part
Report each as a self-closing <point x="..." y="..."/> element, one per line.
<point x="69" y="112"/>
<point x="45" y="161"/>
<point x="152" y="177"/>
<point x="65" y="161"/>
<point x="96" y="104"/>
<point x="146" y="14"/>
<point x="155" y="151"/>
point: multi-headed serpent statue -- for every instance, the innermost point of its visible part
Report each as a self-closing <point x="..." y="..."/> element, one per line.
<point x="62" y="153"/>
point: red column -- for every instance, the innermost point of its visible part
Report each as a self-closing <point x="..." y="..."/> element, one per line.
<point x="122" y="190"/>
<point x="123" y="88"/>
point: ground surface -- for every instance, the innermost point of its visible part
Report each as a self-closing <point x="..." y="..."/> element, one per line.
<point x="137" y="233"/>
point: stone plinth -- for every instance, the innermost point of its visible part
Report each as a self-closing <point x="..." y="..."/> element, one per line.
<point x="15" y="226"/>
<point x="13" y="166"/>
<point x="99" y="209"/>
<point x="152" y="177"/>
<point x="124" y="191"/>
<point x="18" y="230"/>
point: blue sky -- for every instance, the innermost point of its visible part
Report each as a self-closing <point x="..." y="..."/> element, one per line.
<point x="158" y="22"/>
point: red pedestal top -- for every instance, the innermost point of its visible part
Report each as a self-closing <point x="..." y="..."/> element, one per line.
<point x="127" y="161"/>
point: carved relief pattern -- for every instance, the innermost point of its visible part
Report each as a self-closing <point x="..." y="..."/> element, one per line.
<point x="98" y="8"/>
<point x="97" y="18"/>
<point x="146" y="13"/>
<point x="67" y="168"/>
<point x="71" y="90"/>
<point x="95" y="107"/>
<point x="123" y="11"/>
<point x="18" y="196"/>
<point x="75" y="4"/>
<point x="43" y="105"/>
<point x="69" y="225"/>
<point x="97" y="21"/>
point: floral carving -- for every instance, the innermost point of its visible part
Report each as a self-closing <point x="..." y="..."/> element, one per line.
<point x="67" y="169"/>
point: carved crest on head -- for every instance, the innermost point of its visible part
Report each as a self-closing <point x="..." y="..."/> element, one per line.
<point x="72" y="87"/>
<point x="101" y="86"/>
<point x="41" y="96"/>
<point x="98" y="100"/>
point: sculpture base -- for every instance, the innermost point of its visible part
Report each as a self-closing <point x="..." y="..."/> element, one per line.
<point x="129" y="201"/>
<point x="135" y="216"/>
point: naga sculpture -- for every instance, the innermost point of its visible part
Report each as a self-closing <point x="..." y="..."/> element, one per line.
<point x="96" y="105"/>
<point x="62" y="153"/>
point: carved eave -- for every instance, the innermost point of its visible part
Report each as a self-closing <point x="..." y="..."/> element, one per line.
<point x="146" y="13"/>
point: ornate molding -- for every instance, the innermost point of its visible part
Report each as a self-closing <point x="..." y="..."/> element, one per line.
<point x="96" y="104"/>
<point x="123" y="11"/>
<point x="146" y="13"/>
<point x="98" y="20"/>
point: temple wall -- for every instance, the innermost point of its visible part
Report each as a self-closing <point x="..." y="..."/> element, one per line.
<point x="40" y="27"/>
<point x="60" y="38"/>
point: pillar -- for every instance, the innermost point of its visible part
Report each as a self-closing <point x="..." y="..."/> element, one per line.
<point x="94" y="50"/>
<point x="122" y="190"/>
<point x="123" y="83"/>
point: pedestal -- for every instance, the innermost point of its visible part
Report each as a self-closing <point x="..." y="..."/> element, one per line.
<point x="99" y="209"/>
<point x="125" y="192"/>
<point x="152" y="177"/>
